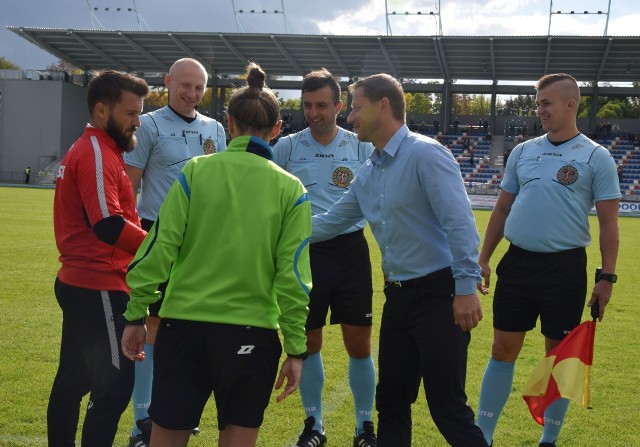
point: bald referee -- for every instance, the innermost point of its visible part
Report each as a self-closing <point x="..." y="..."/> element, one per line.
<point x="167" y="139"/>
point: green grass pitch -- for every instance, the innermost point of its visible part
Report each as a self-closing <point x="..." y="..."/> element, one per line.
<point x="30" y="323"/>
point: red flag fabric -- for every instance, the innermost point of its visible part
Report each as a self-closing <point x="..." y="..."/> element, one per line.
<point x="564" y="372"/>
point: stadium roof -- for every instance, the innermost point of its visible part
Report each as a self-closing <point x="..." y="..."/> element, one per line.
<point x="492" y="58"/>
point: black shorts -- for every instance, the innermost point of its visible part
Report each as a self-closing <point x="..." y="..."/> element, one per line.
<point x="193" y="359"/>
<point x="550" y="285"/>
<point x="341" y="274"/>
<point x="154" y="308"/>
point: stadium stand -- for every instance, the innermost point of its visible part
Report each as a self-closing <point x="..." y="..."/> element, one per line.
<point x="47" y="175"/>
<point x="483" y="175"/>
<point x="626" y="152"/>
<point x="479" y="175"/>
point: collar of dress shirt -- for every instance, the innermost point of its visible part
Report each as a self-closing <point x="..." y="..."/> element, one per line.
<point x="391" y="148"/>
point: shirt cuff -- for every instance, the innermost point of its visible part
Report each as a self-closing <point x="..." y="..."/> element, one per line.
<point x="466" y="286"/>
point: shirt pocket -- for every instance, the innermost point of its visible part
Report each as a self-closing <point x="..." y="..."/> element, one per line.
<point x="305" y="170"/>
<point x="175" y="151"/>
<point x="529" y="169"/>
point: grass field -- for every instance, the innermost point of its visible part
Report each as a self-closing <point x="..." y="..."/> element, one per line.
<point x="30" y="323"/>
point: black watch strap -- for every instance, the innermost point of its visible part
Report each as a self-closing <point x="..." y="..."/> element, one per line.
<point x="302" y="356"/>
<point x="611" y="277"/>
<point x="126" y="322"/>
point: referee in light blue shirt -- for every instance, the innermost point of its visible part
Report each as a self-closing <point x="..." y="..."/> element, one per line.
<point x="412" y="194"/>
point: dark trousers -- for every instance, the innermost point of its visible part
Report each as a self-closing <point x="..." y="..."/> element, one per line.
<point x="419" y="340"/>
<point x="91" y="361"/>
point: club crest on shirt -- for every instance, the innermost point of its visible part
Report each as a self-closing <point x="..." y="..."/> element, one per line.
<point x="342" y="177"/>
<point x="567" y="175"/>
<point x="209" y="147"/>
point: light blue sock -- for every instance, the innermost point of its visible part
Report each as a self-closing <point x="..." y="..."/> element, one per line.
<point x="362" y="379"/>
<point x="311" y="385"/>
<point x="496" y="387"/>
<point x="553" y="419"/>
<point x="141" y="397"/>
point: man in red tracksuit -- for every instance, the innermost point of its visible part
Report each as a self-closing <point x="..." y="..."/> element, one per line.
<point x="97" y="232"/>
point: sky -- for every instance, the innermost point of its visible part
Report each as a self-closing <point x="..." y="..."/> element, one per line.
<point x="340" y="17"/>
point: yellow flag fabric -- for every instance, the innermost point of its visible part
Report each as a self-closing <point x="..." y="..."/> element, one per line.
<point x="564" y="372"/>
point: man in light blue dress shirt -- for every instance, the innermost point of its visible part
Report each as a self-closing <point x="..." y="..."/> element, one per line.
<point x="412" y="194"/>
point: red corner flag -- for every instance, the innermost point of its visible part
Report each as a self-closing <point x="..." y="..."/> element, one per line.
<point x="564" y="372"/>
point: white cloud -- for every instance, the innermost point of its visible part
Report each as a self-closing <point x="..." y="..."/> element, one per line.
<point x="626" y="25"/>
<point x="364" y="20"/>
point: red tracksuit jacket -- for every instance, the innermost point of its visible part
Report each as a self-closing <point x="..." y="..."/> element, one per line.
<point x="92" y="185"/>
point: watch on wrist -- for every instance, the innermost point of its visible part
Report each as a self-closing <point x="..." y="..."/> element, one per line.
<point x="126" y="322"/>
<point x="611" y="277"/>
<point x="302" y="356"/>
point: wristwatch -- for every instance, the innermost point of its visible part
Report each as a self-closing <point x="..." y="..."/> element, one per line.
<point x="123" y="321"/>
<point x="611" y="277"/>
<point x="302" y="356"/>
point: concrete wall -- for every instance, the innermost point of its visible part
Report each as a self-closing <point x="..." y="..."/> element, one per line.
<point x="30" y="123"/>
<point x="39" y="120"/>
<point x="74" y="115"/>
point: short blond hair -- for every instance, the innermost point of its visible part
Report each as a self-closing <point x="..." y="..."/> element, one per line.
<point x="573" y="91"/>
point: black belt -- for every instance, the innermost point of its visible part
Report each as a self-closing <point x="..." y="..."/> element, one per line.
<point x="417" y="281"/>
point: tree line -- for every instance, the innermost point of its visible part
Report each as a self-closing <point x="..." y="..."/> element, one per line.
<point x="612" y="107"/>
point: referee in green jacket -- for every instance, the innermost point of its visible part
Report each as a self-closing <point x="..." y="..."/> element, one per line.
<point x="233" y="238"/>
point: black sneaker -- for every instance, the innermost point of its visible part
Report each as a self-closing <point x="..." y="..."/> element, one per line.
<point x="311" y="437"/>
<point x="195" y="431"/>
<point x="365" y="437"/>
<point x="547" y="444"/>
<point x="144" y="438"/>
<point x="137" y="441"/>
